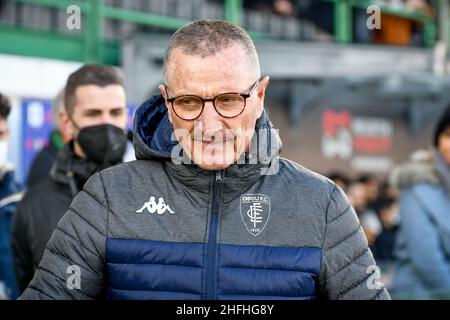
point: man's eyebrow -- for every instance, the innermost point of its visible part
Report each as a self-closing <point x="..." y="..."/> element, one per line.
<point x="96" y="109"/>
<point x="215" y="93"/>
<point x="92" y="110"/>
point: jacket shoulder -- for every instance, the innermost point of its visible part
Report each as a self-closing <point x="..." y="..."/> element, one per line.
<point x="131" y="167"/>
<point x="425" y="186"/>
<point x="130" y="175"/>
<point x="429" y="197"/>
<point x="317" y="188"/>
<point x="305" y="178"/>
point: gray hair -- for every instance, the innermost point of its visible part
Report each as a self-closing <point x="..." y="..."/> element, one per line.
<point x="207" y="37"/>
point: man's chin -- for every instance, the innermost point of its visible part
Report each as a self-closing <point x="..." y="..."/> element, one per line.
<point x="213" y="164"/>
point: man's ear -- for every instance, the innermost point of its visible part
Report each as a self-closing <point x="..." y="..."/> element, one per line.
<point x="163" y="91"/>
<point x="261" y="92"/>
<point x="66" y="125"/>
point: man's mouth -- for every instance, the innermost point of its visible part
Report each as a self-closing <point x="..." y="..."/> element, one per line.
<point x="212" y="141"/>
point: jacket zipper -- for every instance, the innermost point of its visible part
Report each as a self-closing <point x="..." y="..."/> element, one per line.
<point x="212" y="240"/>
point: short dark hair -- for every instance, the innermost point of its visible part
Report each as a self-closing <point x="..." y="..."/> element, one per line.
<point x="337" y="175"/>
<point x="442" y="125"/>
<point x="207" y="37"/>
<point x="386" y="202"/>
<point x="5" y="107"/>
<point x="95" y="74"/>
<point x="366" y="178"/>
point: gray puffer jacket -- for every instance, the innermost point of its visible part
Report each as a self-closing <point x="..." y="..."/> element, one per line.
<point x="158" y="229"/>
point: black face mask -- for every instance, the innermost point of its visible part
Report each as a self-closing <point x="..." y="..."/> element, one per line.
<point x="103" y="144"/>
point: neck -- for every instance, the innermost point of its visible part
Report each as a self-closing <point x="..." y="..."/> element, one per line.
<point x="77" y="150"/>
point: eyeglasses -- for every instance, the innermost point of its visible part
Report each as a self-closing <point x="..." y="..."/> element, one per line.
<point x="227" y="105"/>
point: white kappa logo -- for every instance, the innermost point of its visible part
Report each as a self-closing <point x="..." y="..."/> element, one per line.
<point x="153" y="207"/>
<point x="255" y="212"/>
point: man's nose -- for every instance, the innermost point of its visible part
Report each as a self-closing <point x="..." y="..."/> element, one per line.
<point x="107" y="119"/>
<point x="210" y="118"/>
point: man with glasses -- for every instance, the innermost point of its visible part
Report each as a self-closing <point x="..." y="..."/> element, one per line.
<point x="209" y="210"/>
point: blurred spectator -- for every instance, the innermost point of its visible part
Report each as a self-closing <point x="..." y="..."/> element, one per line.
<point x="402" y="31"/>
<point x="421" y="6"/>
<point x="388" y="191"/>
<point x="394" y="30"/>
<point x="370" y="223"/>
<point x="372" y="187"/>
<point x="10" y="194"/>
<point x="383" y="248"/>
<point x="96" y="118"/>
<point x="42" y="163"/>
<point x="361" y="34"/>
<point x="340" y="179"/>
<point x="320" y="13"/>
<point x="284" y="8"/>
<point x="423" y="246"/>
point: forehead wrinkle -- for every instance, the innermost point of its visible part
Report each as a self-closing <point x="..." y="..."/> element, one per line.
<point x="233" y="57"/>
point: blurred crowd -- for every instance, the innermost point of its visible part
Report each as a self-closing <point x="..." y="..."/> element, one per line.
<point x="406" y="219"/>
<point x="376" y="204"/>
<point x="299" y="8"/>
<point x="396" y="29"/>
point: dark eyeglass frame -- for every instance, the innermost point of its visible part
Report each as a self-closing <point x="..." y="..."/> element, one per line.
<point x="213" y="100"/>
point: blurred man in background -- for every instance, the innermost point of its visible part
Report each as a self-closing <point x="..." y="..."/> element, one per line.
<point x="10" y="195"/>
<point x="95" y="117"/>
<point x="357" y="195"/>
<point x="372" y="187"/>
<point x="340" y="179"/>
<point x="42" y="163"/>
<point x="383" y="248"/>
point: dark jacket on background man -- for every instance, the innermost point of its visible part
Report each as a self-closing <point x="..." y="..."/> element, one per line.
<point x="43" y="162"/>
<point x="157" y="229"/>
<point x="42" y="207"/>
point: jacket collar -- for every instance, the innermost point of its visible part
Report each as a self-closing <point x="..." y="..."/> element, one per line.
<point x="420" y="169"/>
<point x="71" y="170"/>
